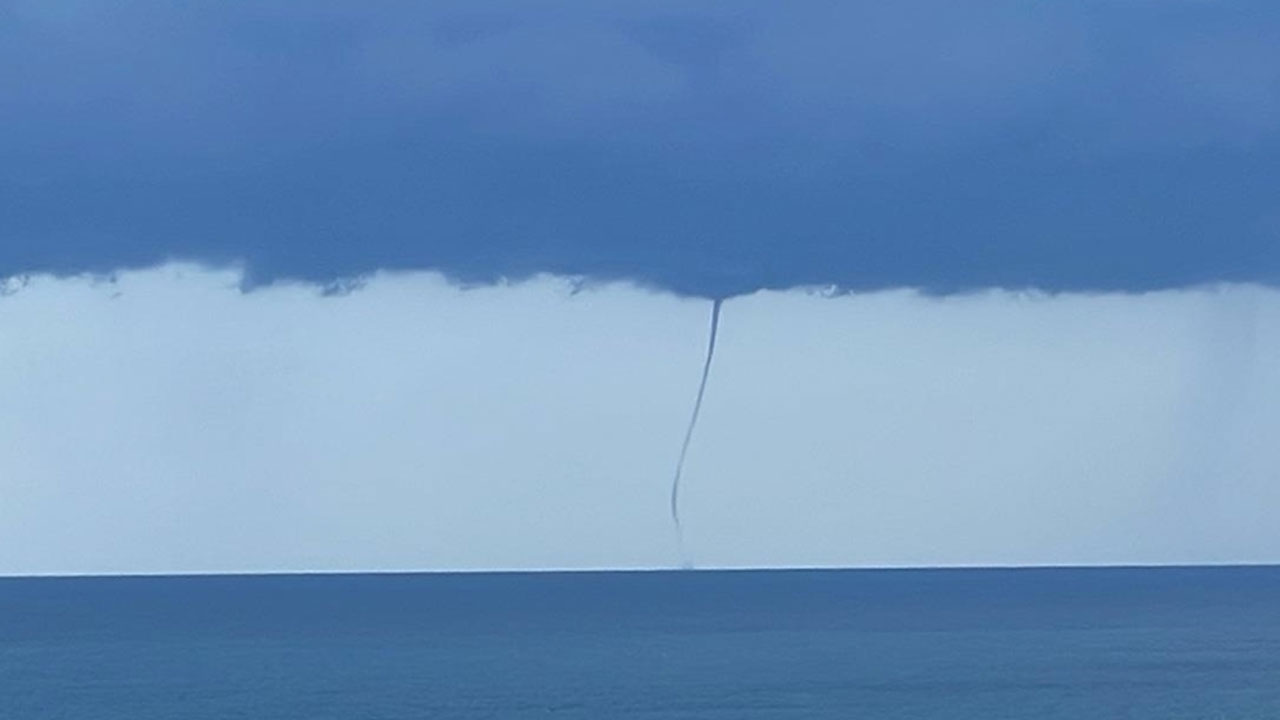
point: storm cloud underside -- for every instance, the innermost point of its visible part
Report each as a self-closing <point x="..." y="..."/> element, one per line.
<point x="710" y="149"/>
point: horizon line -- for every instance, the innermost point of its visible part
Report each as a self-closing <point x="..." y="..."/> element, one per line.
<point x="643" y="570"/>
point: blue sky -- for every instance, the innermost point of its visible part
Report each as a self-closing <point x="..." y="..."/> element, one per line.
<point x="712" y="148"/>
<point x="169" y="422"/>
<point x="405" y="286"/>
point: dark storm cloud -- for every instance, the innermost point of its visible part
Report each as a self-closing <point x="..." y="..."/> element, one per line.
<point x="710" y="149"/>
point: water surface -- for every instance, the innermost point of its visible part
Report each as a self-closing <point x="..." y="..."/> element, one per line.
<point x="1162" y="644"/>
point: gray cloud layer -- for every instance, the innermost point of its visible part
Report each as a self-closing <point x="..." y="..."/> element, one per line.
<point x="711" y="149"/>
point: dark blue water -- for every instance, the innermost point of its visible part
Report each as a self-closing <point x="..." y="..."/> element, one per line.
<point x="1064" y="643"/>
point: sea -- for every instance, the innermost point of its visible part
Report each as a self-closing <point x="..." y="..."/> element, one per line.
<point x="1138" y="643"/>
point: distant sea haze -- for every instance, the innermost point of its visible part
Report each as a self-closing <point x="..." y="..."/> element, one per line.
<point x="412" y="424"/>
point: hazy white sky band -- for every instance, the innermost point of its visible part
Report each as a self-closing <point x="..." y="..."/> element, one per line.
<point x="168" y="422"/>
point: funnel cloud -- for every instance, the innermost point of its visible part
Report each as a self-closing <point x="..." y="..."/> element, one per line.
<point x="693" y="424"/>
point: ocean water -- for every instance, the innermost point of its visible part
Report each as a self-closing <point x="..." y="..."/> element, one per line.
<point x="1161" y="644"/>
